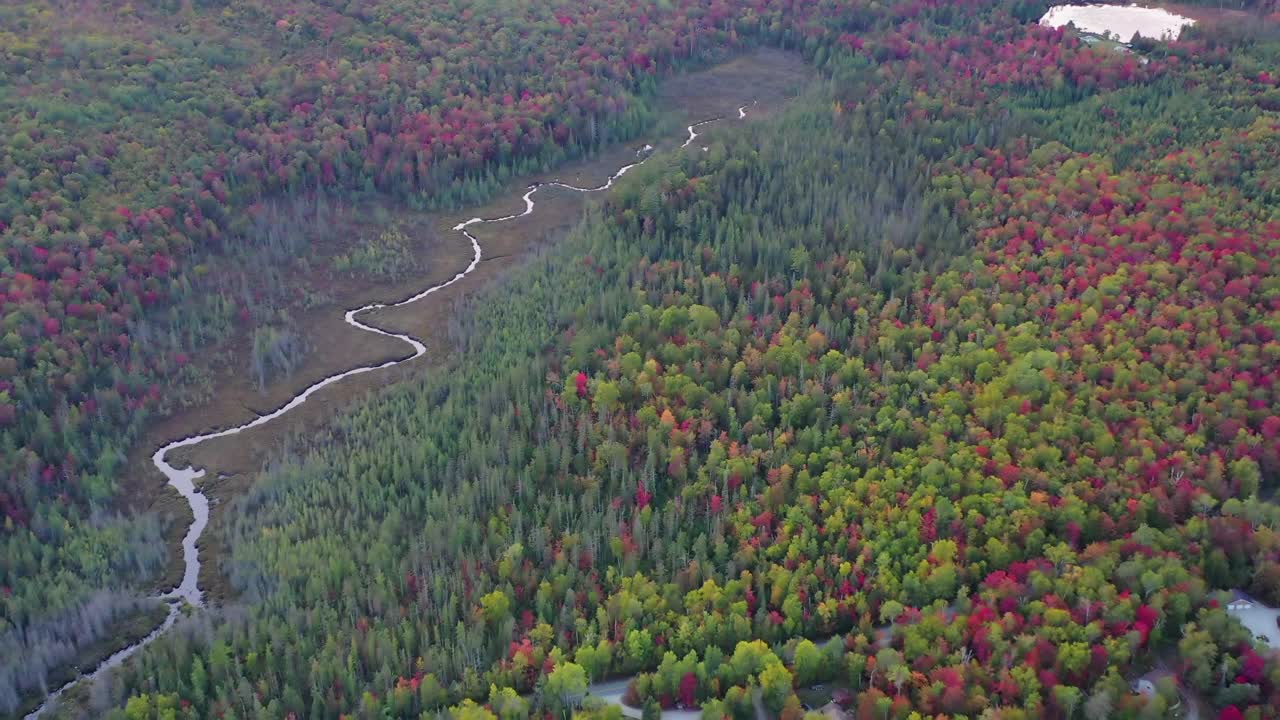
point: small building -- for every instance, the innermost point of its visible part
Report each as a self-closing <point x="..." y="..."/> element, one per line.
<point x="833" y="711"/>
<point x="1240" y="601"/>
<point x="842" y="697"/>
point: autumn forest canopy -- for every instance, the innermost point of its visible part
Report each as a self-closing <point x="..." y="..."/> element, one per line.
<point x="948" y="389"/>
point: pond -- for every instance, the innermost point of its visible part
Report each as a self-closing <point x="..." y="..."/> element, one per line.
<point x="1120" y="21"/>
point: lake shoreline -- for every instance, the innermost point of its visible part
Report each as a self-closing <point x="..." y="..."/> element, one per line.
<point x="1119" y="21"/>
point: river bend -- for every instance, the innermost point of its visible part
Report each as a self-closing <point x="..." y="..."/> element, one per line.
<point x="183" y="479"/>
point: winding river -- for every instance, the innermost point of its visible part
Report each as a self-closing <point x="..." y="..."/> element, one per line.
<point x="188" y="592"/>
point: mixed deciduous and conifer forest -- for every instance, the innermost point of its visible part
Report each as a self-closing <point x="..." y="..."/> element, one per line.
<point x="920" y="361"/>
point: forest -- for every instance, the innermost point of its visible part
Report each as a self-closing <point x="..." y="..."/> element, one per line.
<point x="952" y="386"/>
<point x="157" y="176"/>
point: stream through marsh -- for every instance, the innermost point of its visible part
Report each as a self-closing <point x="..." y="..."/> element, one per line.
<point x="183" y="479"/>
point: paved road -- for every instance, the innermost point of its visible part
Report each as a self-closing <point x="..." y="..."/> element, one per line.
<point x="1261" y="620"/>
<point x="612" y="691"/>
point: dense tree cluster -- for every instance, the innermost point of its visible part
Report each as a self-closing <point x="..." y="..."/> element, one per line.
<point x="1002" y="479"/>
<point x="953" y="386"/>
<point x="164" y="161"/>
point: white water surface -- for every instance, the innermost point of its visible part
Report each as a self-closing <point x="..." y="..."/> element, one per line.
<point x="1120" y="21"/>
